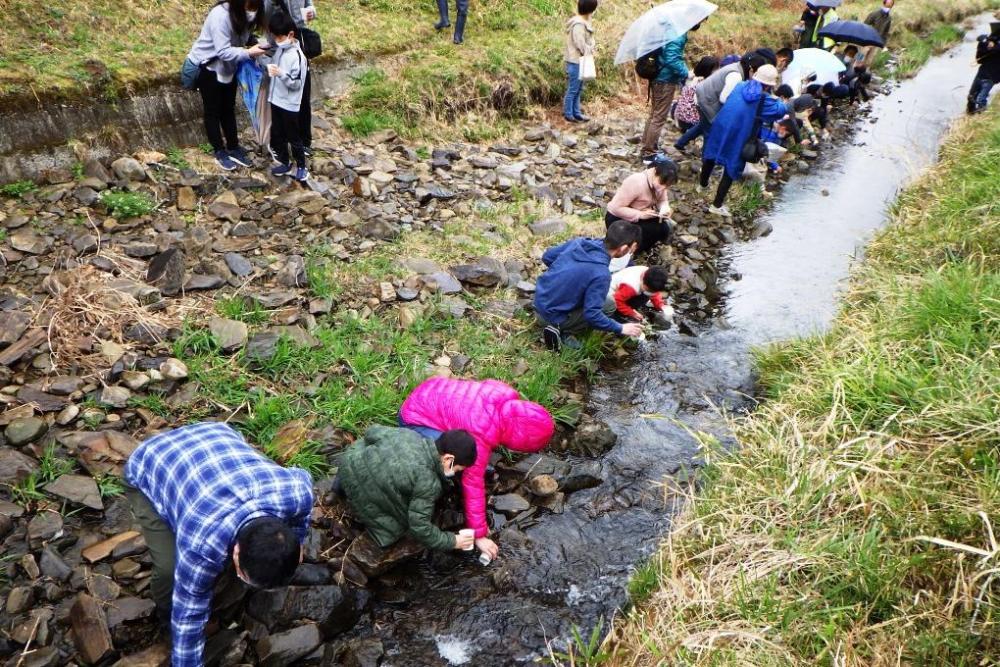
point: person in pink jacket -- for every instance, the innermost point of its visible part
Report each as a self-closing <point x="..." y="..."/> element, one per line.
<point x="495" y="414"/>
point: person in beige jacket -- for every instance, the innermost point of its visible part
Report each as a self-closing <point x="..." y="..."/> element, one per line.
<point x="579" y="43"/>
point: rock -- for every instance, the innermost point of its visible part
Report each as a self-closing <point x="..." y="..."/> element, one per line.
<point x="128" y="609"/>
<point x="293" y="274"/>
<point x="525" y="286"/>
<point x="19" y="599"/>
<point x="68" y="414"/>
<point x="53" y="566"/>
<point x="419" y="265"/>
<point x="406" y="318"/>
<point x="543" y="485"/>
<point x="135" y="380"/>
<point x="42" y="401"/>
<point x="434" y="192"/>
<point x="225" y="207"/>
<point x="43" y="527"/>
<point x="29" y="566"/>
<point x="548" y="227"/>
<point x="555" y="503"/>
<point x="64" y="385"/>
<point x="585" y="475"/>
<point x="262" y="346"/>
<point x="140" y="249"/>
<point x="386" y="292"/>
<point x="22" y="431"/>
<point x="128" y="169"/>
<point x="310" y="574"/>
<point x="510" y="504"/>
<point x="174" y="369"/>
<point x="593" y="438"/>
<point x="407" y="293"/>
<point x="154" y="656"/>
<point x="286" y="647"/>
<point x="102" y="550"/>
<point x="275" y="299"/>
<point x="374" y="560"/>
<point x="166" y="271"/>
<point x="326" y="605"/>
<point x="90" y="630"/>
<point x="115" y="397"/>
<point x="12" y="325"/>
<point x="380" y="229"/>
<point x="29" y="242"/>
<point x="15" y="466"/>
<point x="761" y="228"/>
<point x="238" y="264"/>
<point x="486" y="272"/>
<point x="46" y="656"/>
<point x="443" y="283"/>
<point x="231" y="335"/>
<point x="78" y="489"/>
<point x="103" y="588"/>
<point x="200" y="282"/>
<point x="359" y="652"/>
<point x="187" y="200"/>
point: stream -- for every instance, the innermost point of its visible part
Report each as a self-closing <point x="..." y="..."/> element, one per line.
<point x="571" y="569"/>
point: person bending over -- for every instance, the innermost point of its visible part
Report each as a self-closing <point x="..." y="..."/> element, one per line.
<point x="642" y="199"/>
<point x="635" y="289"/>
<point x="216" y="514"/>
<point x="392" y="477"/>
<point x="569" y="296"/>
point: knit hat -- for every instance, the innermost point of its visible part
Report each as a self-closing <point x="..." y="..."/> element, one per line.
<point x="527" y="426"/>
<point x="804" y="103"/>
<point x="767" y="75"/>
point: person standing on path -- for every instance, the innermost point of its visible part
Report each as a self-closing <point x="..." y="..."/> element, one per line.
<point x="579" y="43"/>
<point x="295" y="9"/>
<point x="713" y="92"/>
<point x="881" y="20"/>
<point x="220" y="48"/>
<point x="462" y="11"/>
<point x="288" y="70"/>
<point x="216" y="514"/>
<point x="827" y="15"/>
<point x="495" y="415"/>
<point x="673" y="72"/>
<point x="807" y="26"/>
<point x="988" y="57"/>
<point x="750" y="106"/>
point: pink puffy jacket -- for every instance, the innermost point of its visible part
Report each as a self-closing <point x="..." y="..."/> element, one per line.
<point x="493" y="413"/>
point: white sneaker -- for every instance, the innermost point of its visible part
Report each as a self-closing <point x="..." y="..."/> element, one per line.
<point x="721" y="211"/>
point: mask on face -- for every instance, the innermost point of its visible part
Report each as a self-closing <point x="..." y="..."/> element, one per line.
<point x="450" y="471"/>
<point x="251" y="16"/>
<point x="886" y="9"/>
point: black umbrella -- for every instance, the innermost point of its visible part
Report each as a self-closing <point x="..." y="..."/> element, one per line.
<point x="854" y="32"/>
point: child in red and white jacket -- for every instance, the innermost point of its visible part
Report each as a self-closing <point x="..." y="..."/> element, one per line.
<point x="633" y="288"/>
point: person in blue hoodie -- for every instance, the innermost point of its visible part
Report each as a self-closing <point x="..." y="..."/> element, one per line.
<point x="569" y="296"/>
<point x="747" y="109"/>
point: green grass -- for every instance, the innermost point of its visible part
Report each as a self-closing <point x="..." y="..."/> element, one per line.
<point x="748" y="200"/>
<point x="855" y="525"/>
<point x="175" y="157"/>
<point x="110" y="486"/>
<point x="126" y="205"/>
<point x="242" y="309"/>
<point x="917" y="49"/>
<point x="17" y="189"/>
<point x="50" y="467"/>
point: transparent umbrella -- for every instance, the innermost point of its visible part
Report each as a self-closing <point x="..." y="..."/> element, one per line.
<point x="660" y="25"/>
<point x="826" y="66"/>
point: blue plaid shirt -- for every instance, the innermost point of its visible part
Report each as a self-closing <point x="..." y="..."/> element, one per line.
<point x="206" y="481"/>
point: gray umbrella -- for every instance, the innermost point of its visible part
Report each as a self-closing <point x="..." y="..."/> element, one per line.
<point x="826" y="3"/>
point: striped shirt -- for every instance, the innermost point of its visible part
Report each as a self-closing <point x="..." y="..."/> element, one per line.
<point x="206" y="482"/>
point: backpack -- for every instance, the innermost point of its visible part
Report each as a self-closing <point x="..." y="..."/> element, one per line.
<point x="309" y="40"/>
<point x="648" y="66"/>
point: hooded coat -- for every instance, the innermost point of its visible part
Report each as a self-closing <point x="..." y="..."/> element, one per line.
<point x="392" y="477"/>
<point x="493" y="414"/>
<point x="578" y="277"/>
<point x="735" y="123"/>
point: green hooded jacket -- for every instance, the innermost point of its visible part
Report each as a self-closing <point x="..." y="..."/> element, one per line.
<point x="392" y="478"/>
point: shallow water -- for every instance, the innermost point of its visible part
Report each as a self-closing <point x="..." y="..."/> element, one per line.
<point x="570" y="570"/>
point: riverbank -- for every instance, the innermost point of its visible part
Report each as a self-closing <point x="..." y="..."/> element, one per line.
<point x="854" y="525"/>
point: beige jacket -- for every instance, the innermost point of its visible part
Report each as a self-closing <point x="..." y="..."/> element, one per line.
<point x="579" y="39"/>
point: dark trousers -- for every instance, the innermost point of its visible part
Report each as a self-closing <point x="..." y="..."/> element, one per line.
<point x="575" y="323"/>
<point x="284" y="133"/>
<point x="706" y="173"/>
<point x="979" y="93"/>
<point x="654" y="230"/>
<point x="219" y="102"/>
<point x="661" y="95"/>
<point x="305" y="111"/>
<point x="699" y="129"/>
<point x="229" y="590"/>
<point x="820" y="115"/>
<point x="462" y="11"/>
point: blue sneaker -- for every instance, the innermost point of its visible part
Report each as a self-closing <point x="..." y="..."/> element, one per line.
<point x="222" y="159"/>
<point x="302" y="174"/>
<point x="240" y="157"/>
<point x="281" y="170"/>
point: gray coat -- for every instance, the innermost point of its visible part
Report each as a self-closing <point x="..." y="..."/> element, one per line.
<point x="218" y="46"/>
<point x="709" y="92"/>
<point x="286" y="89"/>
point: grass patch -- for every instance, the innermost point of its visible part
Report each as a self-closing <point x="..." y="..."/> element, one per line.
<point x="917" y="50"/>
<point x="175" y="158"/>
<point x="855" y="525"/>
<point x="50" y="467"/>
<point x="124" y="205"/>
<point x="242" y="309"/>
<point x="749" y="199"/>
<point x="17" y="189"/>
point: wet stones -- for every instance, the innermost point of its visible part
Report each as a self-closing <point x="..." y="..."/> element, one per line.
<point x="23" y="431"/>
<point x="43" y="527"/>
<point x="15" y="466"/>
<point x="510" y="504"/>
<point x="286" y="647"/>
<point x="543" y="485"/>
<point x="101" y="550"/>
<point x="374" y="560"/>
<point x="328" y="606"/>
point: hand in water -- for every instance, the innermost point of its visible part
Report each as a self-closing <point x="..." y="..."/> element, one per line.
<point x="464" y="541"/>
<point x="488" y="547"/>
<point x="632" y="330"/>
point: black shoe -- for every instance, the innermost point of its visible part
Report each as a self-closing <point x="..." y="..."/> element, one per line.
<point x="553" y="340"/>
<point x="457" y="40"/>
<point x="570" y="119"/>
<point x="441" y="25"/>
<point x="582" y="119"/>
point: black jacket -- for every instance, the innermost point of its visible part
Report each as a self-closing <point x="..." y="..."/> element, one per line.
<point x="988" y="57"/>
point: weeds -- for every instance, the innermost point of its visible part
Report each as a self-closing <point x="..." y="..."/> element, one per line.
<point x="242" y="309"/>
<point x="110" y="486"/>
<point x="50" y="468"/>
<point x="175" y="158"/>
<point x="17" y="189"/>
<point x="749" y="199"/>
<point x="585" y="652"/>
<point x="152" y="402"/>
<point x="124" y="205"/>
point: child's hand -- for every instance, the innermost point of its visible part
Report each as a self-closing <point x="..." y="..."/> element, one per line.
<point x="274" y="70"/>
<point x="255" y="51"/>
<point x="488" y="547"/>
<point x="639" y="317"/>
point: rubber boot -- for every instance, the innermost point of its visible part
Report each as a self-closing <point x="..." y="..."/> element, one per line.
<point x="443" y="20"/>
<point x="460" y="27"/>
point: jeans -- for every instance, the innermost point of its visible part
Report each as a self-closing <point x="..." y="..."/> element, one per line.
<point x="219" y="102"/>
<point x="699" y="130"/>
<point x="426" y="431"/>
<point x="574" y="89"/>
<point x="661" y="95"/>
<point x="461" y="8"/>
<point x="979" y="94"/>
<point x="285" y="132"/>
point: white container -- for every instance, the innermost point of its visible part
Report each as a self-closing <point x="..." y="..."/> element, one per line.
<point x="484" y="559"/>
<point x="470" y="533"/>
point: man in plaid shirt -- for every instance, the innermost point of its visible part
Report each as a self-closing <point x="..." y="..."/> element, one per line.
<point x="204" y="496"/>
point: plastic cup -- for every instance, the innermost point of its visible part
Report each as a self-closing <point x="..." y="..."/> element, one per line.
<point x="470" y="533"/>
<point x="484" y="559"/>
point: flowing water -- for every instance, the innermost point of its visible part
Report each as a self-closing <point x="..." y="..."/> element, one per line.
<point x="570" y="570"/>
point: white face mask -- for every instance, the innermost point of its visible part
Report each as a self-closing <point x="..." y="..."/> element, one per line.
<point x="886" y="9"/>
<point x="251" y="16"/>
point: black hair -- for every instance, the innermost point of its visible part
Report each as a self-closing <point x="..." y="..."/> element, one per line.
<point x="666" y="169"/>
<point x="784" y="91"/>
<point x="828" y="87"/>
<point x="459" y="444"/>
<point x="269" y="551"/>
<point x="768" y="55"/>
<point x="786" y="52"/>
<point x="751" y="62"/>
<point x="584" y="7"/>
<point x="706" y="66"/>
<point x="238" y="14"/>
<point x="655" y="278"/>
<point x="788" y="124"/>
<point x="814" y="89"/>
<point x="865" y="77"/>
<point x="280" y="24"/>
<point x="622" y="233"/>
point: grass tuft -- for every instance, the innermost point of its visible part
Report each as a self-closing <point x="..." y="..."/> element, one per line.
<point x="126" y="205"/>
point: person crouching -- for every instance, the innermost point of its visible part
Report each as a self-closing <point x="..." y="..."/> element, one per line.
<point x="288" y="73"/>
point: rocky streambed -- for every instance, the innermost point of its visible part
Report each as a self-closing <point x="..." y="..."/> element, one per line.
<point x="92" y="302"/>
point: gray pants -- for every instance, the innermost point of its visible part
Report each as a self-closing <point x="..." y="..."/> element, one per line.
<point x="229" y="589"/>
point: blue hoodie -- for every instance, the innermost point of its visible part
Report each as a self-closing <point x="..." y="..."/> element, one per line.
<point x="735" y="123"/>
<point x="578" y="277"/>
